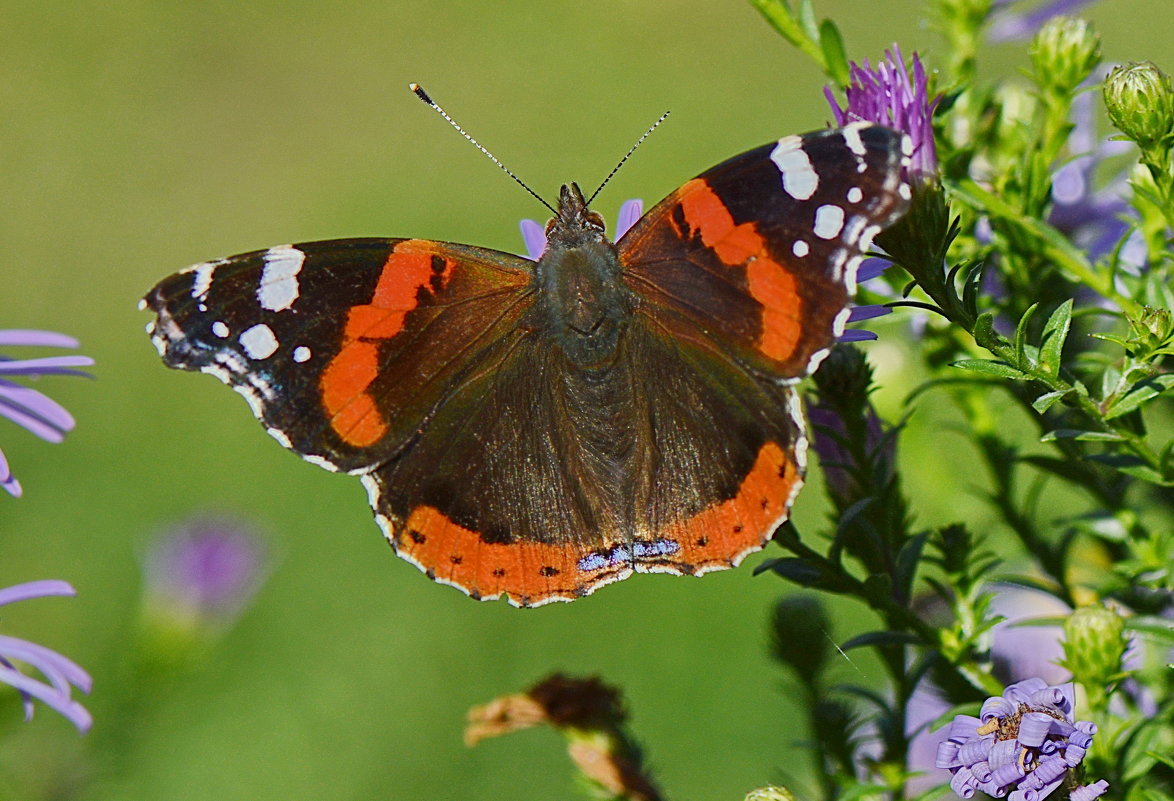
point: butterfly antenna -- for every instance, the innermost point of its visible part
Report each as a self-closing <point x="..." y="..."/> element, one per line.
<point x="420" y="93"/>
<point x="626" y="156"/>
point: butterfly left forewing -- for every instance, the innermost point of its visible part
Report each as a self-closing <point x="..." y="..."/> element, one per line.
<point x="343" y="348"/>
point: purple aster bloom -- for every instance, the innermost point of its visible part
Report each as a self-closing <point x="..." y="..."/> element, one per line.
<point x="1016" y="26"/>
<point x="27" y="407"/>
<point x="205" y="572"/>
<point x="1022" y="744"/>
<point x="534" y="235"/>
<point x="887" y="95"/>
<point x="61" y="674"/>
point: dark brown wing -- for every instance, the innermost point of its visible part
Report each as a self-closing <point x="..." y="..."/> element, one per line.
<point x="541" y="482"/>
<point x="343" y="348"/>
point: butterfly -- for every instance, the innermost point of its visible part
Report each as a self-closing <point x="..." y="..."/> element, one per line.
<point x="540" y="428"/>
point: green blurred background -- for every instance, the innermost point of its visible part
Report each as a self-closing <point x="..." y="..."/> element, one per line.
<point x="139" y="136"/>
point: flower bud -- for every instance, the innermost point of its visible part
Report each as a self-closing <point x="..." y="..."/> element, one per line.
<point x="1140" y="102"/>
<point x="1065" y="52"/>
<point x="1094" y="646"/>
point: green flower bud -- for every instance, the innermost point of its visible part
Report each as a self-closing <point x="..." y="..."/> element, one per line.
<point x="1065" y="52"/>
<point x="1094" y="647"/>
<point x="1140" y="102"/>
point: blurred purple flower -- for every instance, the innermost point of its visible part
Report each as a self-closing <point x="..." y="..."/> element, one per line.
<point x="888" y="96"/>
<point x="829" y="435"/>
<point x="1022" y="745"/>
<point x="204" y="572"/>
<point x="60" y="673"/>
<point x="1017" y="26"/>
<point x="1092" y="218"/>
<point x="534" y="235"/>
<point x="27" y="407"/>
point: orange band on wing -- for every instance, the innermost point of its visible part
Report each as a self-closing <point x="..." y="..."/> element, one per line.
<point x="530" y="572"/>
<point x="728" y="531"/>
<point x="354" y="415"/>
<point x="769" y="282"/>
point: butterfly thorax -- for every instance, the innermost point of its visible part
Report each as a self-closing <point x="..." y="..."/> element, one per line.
<point x="582" y="303"/>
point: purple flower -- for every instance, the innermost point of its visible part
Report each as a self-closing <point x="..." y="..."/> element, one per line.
<point x="888" y="96"/>
<point x="534" y="235"/>
<point x="1022" y="744"/>
<point x="1018" y="26"/>
<point x="27" y="407"/>
<point x="204" y="572"/>
<point x="60" y="673"/>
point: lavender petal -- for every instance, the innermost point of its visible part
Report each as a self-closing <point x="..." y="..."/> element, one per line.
<point x="534" y="238"/>
<point x="63" y="704"/>
<point x="35" y="589"/>
<point x="630" y="212"/>
<point x="61" y="671"/>
<point x="34" y="337"/>
<point x="47" y="365"/>
<point x="1089" y="792"/>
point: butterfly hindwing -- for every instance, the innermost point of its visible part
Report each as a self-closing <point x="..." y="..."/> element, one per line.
<point x="343" y="348"/>
<point x="759" y="253"/>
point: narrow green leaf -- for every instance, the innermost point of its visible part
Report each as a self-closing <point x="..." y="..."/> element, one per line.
<point x="834" y="56"/>
<point x="1046" y="401"/>
<point x="1052" y="342"/>
<point x="1021" y="336"/>
<point x="1141" y="392"/>
<point x="992" y="368"/>
<point x="985" y="333"/>
<point x="807" y="20"/>
<point x="1081" y="436"/>
<point x="881" y="638"/>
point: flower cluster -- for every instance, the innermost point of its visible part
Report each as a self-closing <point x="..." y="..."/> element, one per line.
<point x="1024" y="744"/>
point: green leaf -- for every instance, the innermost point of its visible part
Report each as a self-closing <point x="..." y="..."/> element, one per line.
<point x="872" y="638"/>
<point x="805" y="574"/>
<point x="1141" y="392"/>
<point x="1153" y="627"/>
<point x="1021" y="336"/>
<point x="834" y="56"/>
<point x="807" y="20"/>
<point x="1047" y="401"/>
<point x="985" y="333"/>
<point x="991" y="368"/>
<point x="1052" y="342"/>
<point x="1081" y="436"/>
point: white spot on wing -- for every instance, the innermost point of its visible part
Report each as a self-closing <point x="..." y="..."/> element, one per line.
<point x="203" y="280"/>
<point x="829" y="221"/>
<point x="259" y="341"/>
<point x="852" y="138"/>
<point x="800" y="248"/>
<point x="279" y="280"/>
<point x="905" y="192"/>
<point x="220" y="329"/>
<point x="301" y="354"/>
<point x="855" y="195"/>
<point x="799" y="178"/>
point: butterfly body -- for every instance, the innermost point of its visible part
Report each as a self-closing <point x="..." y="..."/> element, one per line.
<point x="537" y="429"/>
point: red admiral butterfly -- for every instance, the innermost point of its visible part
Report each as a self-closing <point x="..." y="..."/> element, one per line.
<point x="541" y="428"/>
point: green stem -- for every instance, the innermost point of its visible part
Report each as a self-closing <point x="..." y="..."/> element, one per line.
<point x="1056" y="246"/>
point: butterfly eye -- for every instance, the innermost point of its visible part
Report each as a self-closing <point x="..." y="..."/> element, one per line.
<point x="549" y="226"/>
<point x="594" y="219"/>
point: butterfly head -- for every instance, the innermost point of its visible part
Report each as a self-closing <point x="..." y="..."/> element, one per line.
<point x="575" y="225"/>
